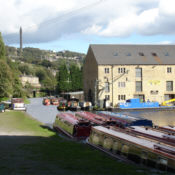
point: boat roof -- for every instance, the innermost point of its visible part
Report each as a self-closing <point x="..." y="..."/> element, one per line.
<point x="68" y="117"/>
<point x="109" y="117"/>
<point x="121" y="116"/>
<point x="139" y="141"/>
<point x="169" y="127"/>
<point x="147" y="131"/>
<point x="91" y="117"/>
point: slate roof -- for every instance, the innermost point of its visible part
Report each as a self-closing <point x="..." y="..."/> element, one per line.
<point x="134" y="54"/>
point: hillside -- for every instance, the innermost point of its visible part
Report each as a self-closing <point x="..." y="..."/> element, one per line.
<point x="35" y="55"/>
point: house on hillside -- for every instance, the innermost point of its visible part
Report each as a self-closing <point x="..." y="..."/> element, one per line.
<point x="33" y="81"/>
<point x="120" y="72"/>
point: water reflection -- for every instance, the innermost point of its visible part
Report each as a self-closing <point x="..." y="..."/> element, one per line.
<point x="160" y="118"/>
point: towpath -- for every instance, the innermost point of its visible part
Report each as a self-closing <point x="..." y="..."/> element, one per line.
<point x="44" y="114"/>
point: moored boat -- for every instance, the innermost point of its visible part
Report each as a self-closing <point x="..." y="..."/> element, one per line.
<point x="54" y="101"/>
<point x="95" y="119"/>
<point x="72" y="126"/>
<point x="125" y="120"/>
<point x="18" y="104"/>
<point x="135" y="103"/>
<point x="62" y="105"/>
<point x="73" y="105"/>
<point x="137" y="149"/>
<point x="167" y="129"/>
<point x="149" y="133"/>
<point x="46" y="101"/>
<point x="85" y="105"/>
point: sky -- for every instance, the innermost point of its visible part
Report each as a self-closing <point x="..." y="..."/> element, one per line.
<point x="74" y="24"/>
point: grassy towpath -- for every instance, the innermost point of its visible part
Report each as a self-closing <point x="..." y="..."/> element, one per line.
<point x="27" y="148"/>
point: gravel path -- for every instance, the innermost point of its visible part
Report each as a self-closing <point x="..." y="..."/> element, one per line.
<point x="44" y="114"/>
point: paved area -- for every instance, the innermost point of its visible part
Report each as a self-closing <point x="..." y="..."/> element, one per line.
<point x="44" y="114"/>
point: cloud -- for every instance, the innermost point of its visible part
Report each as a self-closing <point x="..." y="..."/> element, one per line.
<point x="48" y="20"/>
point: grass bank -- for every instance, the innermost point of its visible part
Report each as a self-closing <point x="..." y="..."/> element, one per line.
<point x="38" y="150"/>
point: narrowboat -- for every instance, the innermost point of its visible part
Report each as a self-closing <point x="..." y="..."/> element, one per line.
<point x="62" y="105"/>
<point x="54" y="101"/>
<point x="135" y="103"/>
<point x="72" y="126"/>
<point x="95" y="119"/>
<point x="2" y="108"/>
<point x="18" y="104"/>
<point x="125" y="120"/>
<point x="46" y="101"/>
<point x="73" y="105"/>
<point x="149" y="133"/>
<point x="133" y="148"/>
<point x="167" y="129"/>
<point x="85" y="106"/>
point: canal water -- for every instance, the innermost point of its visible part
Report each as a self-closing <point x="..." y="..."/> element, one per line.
<point x="47" y="114"/>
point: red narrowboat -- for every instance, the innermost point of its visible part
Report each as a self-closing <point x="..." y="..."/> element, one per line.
<point x="95" y="119"/>
<point x="46" y="101"/>
<point x="72" y="126"/>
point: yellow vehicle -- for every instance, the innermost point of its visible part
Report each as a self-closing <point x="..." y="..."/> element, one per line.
<point x="170" y="102"/>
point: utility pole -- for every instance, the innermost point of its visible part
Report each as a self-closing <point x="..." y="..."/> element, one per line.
<point x="112" y="86"/>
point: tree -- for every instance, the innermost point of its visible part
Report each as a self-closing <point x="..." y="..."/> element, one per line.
<point x="76" y="77"/>
<point x="26" y="69"/>
<point x="2" y="48"/>
<point x="63" y="79"/>
<point x="6" y="80"/>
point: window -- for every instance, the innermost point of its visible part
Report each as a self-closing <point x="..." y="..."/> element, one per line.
<point x="138" y="72"/>
<point x="116" y="54"/>
<point x="121" y="70"/>
<point x="141" y="54"/>
<point x="169" y="70"/>
<point x="166" y="54"/>
<point x="154" y="54"/>
<point x="107" y="97"/>
<point x="107" y="87"/>
<point x="118" y="70"/>
<point x="138" y="86"/>
<point x="169" y="85"/>
<point x="121" y="84"/>
<point x="106" y="70"/>
<point x="121" y="97"/>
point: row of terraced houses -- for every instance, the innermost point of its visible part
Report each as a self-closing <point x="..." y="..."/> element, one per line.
<point x="120" y="72"/>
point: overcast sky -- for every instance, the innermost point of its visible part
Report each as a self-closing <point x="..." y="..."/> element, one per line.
<point x="74" y="24"/>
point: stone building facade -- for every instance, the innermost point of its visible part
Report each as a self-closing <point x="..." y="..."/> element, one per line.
<point x="33" y="81"/>
<point x="120" y="72"/>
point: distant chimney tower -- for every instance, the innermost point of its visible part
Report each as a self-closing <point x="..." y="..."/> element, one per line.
<point x="20" y="33"/>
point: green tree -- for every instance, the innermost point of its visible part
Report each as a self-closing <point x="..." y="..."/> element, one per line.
<point x="63" y="79"/>
<point x="2" y="48"/>
<point x="76" y="77"/>
<point x="6" y="80"/>
<point x="26" y="69"/>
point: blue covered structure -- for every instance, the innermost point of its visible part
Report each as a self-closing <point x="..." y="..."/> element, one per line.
<point x="135" y="103"/>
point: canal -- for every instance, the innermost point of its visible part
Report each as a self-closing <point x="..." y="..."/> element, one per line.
<point x="47" y="114"/>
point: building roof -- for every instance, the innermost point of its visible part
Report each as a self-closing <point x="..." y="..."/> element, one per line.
<point x="134" y="54"/>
